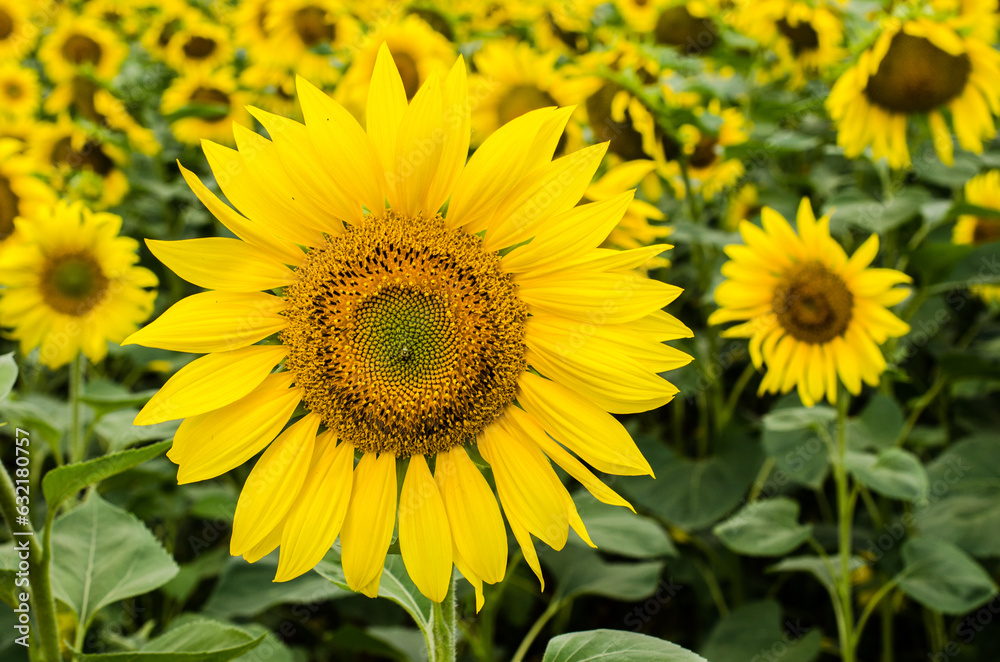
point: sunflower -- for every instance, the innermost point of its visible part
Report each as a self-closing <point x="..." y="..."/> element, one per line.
<point x="72" y="284"/>
<point x="21" y="191"/>
<point x="250" y="25"/>
<point x="417" y="50"/>
<point x="918" y="68"/>
<point x="17" y="33"/>
<point x="690" y="26"/>
<point x="710" y="168"/>
<point x="407" y="337"/>
<point x="983" y="191"/>
<point x="744" y="204"/>
<point x="811" y="313"/>
<point x="221" y="101"/>
<point x="19" y="91"/>
<point x="307" y="33"/>
<point x="512" y="79"/>
<point x="200" y="44"/>
<point x="81" y="44"/>
<point x="80" y="162"/>
<point x="272" y="87"/>
<point x="173" y="16"/>
<point x="89" y="100"/>
<point x="804" y="36"/>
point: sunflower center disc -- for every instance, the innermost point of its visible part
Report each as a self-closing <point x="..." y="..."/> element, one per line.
<point x="312" y="27"/>
<point x="81" y="49"/>
<point x="8" y="208"/>
<point x="802" y="35"/>
<point x="91" y="157"/>
<point x="915" y="76"/>
<point x="692" y="35"/>
<point x="986" y="230"/>
<point x="812" y="303"/>
<point x="521" y="99"/>
<point x="199" y="48"/>
<point x="73" y="283"/>
<point x="406" y="336"/>
<point x="6" y="24"/>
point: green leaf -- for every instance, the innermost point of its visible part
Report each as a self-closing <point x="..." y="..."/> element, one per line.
<point x="877" y="426"/>
<point x="8" y="374"/>
<point x="792" y="437"/>
<point x="197" y="641"/>
<point x="247" y="589"/>
<point x="942" y="577"/>
<point x="764" y="528"/>
<point x="964" y="503"/>
<point x="582" y="571"/>
<point x="615" y="645"/>
<point x="799" y="418"/>
<point x="981" y="266"/>
<point x="106" y="397"/>
<point x="101" y="554"/>
<point x="817" y="567"/>
<point x="754" y="632"/>
<point x="860" y="210"/>
<point x="619" y="531"/>
<point x="893" y="472"/>
<point x="118" y="432"/>
<point x="63" y="482"/>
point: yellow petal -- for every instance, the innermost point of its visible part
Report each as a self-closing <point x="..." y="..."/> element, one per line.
<point x="213" y="322"/>
<point x="211" y="382"/>
<point x="473" y="514"/>
<point x="315" y="519"/>
<point x="527" y="547"/>
<point x="211" y="444"/>
<point x="265" y="546"/>
<point x="457" y="133"/>
<point x="218" y="263"/>
<point x="419" y="144"/>
<point x="386" y="106"/>
<point x="612" y="298"/>
<point x="477" y="583"/>
<point x="424" y="535"/>
<point x="371" y="517"/>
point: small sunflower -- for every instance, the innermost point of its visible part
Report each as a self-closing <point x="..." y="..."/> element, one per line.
<point x="80" y="162"/>
<point x="917" y="69"/>
<point x="19" y="91"/>
<point x="512" y="79"/>
<point x="307" y="33"/>
<point x="81" y="44"/>
<point x="200" y="44"/>
<point x="172" y="17"/>
<point x="272" y="87"/>
<point x="22" y="193"/>
<point x="250" y="21"/>
<point x="17" y="33"/>
<point x="86" y="99"/>
<point x="983" y="191"/>
<point x="710" y="168"/>
<point x="744" y="204"/>
<point x="811" y="313"/>
<point x="411" y="336"/>
<point x="221" y="101"/>
<point x="690" y="26"/>
<point x="804" y="36"/>
<point x="72" y="285"/>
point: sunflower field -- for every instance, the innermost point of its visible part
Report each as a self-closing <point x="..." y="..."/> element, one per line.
<point x="626" y="330"/>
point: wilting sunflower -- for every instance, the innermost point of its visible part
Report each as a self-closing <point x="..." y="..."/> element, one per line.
<point x="982" y="191"/>
<point x="72" y="284"/>
<point x="410" y="336"/>
<point x="218" y="95"/>
<point x="22" y="193"/>
<point x="811" y="313"/>
<point x="81" y="44"/>
<point x="19" y="91"/>
<point x="919" y="68"/>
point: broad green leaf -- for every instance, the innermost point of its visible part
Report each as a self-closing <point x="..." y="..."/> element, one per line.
<point x="65" y="481"/>
<point x="981" y="266"/>
<point x="101" y="554"/>
<point x="942" y="577"/>
<point x="247" y="589"/>
<point x="877" y="426"/>
<point x="964" y="496"/>
<point x="39" y="413"/>
<point x="195" y="641"/>
<point x="615" y="645"/>
<point x="117" y="431"/>
<point x="792" y="437"/>
<point x="799" y="418"/>
<point x="619" y="531"/>
<point x="582" y="571"/>
<point x="754" y="632"/>
<point x="862" y="211"/>
<point x="407" y="643"/>
<point x="817" y="567"/>
<point x="106" y="397"/>
<point x="693" y="494"/>
<point x="893" y="472"/>
<point x="8" y="374"/>
<point x="764" y="528"/>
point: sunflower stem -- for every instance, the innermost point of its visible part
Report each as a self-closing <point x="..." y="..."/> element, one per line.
<point x="845" y="517"/>
<point x="441" y="646"/>
<point x="76" y="444"/>
<point x="42" y="604"/>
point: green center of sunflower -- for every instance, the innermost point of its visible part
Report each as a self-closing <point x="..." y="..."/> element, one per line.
<point x="9" y="204"/>
<point x="405" y="336"/>
<point x="986" y="230"/>
<point x="312" y="27"/>
<point x="692" y="35"/>
<point x="915" y="76"/>
<point x="812" y="303"/>
<point x="802" y="36"/>
<point x="521" y="99"/>
<point x="6" y="24"/>
<point x="408" y="72"/>
<point x="73" y="283"/>
<point x="211" y="96"/>
<point x="199" y="48"/>
<point x="81" y="49"/>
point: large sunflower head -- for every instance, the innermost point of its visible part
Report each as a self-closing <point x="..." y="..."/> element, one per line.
<point x="917" y="68"/>
<point x="411" y="336"/>
<point x="81" y="44"/>
<point x="72" y="285"/>
<point x="811" y="313"/>
<point x="983" y="191"/>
